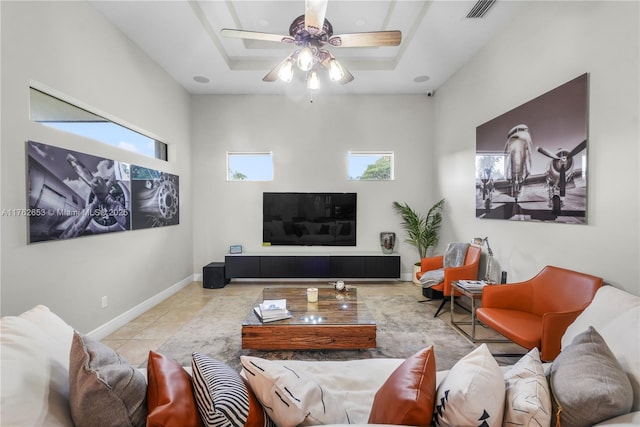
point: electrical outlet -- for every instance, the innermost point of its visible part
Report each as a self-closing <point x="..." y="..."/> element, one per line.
<point x="103" y="302"/>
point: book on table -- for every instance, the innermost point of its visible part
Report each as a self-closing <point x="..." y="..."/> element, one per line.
<point x="472" y="285"/>
<point x="272" y="310"/>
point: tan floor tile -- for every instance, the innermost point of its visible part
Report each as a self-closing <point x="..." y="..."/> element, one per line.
<point x="195" y="289"/>
<point x="239" y="289"/>
<point x="114" y="343"/>
<point x="151" y="315"/>
<point x="178" y="316"/>
<point x="129" y="330"/>
<point x="136" y="352"/>
<point x="168" y="304"/>
<point x="158" y="330"/>
<point x="192" y="303"/>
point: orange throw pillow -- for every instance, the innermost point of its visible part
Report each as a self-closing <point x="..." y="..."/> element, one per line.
<point x="170" y="394"/>
<point x="407" y="397"/>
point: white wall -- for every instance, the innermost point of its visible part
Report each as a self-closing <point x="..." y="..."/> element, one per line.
<point x="552" y="43"/>
<point x="69" y="48"/>
<point x="309" y="143"/>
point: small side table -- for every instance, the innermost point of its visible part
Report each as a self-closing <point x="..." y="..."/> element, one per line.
<point x="473" y="295"/>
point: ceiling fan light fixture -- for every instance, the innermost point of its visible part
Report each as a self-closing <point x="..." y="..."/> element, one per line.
<point x="311" y="32"/>
<point x="313" y="82"/>
<point x="286" y="72"/>
<point x="336" y="73"/>
<point x="305" y="59"/>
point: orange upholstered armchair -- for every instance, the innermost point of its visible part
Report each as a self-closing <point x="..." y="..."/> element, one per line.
<point x="467" y="271"/>
<point x="536" y="312"/>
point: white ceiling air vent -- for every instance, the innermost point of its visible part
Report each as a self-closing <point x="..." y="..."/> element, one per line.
<point x="480" y="8"/>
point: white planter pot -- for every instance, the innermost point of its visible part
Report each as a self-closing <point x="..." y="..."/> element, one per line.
<point x="416" y="268"/>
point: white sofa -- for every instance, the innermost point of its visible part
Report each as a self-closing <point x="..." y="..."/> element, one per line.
<point x="35" y="349"/>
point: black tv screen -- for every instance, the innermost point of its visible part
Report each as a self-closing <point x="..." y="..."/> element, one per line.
<point x="309" y="219"/>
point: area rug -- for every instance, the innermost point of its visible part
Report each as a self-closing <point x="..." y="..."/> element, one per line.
<point x="404" y="326"/>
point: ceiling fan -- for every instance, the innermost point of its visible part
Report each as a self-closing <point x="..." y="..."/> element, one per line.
<point x="312" y="33"/>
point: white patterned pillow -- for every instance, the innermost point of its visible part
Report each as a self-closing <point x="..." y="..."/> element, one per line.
<point x="222" y="397"/>
<point x="472" y="394"/>
<point x="291" y="398"/>
<point x="528" y="400"/>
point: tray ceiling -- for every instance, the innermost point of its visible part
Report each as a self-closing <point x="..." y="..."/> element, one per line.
<point x="183" y="37"/>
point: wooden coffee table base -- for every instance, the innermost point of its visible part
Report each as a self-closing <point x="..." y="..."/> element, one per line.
<point x="308" y="337"/>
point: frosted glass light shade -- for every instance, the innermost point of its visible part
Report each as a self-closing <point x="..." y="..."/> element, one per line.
<point x="305" y="59"/>
<point x="313" y="82"/>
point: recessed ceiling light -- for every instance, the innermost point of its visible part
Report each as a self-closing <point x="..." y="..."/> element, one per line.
<point x="421" y="79"/>
<point x="201" y="79"/>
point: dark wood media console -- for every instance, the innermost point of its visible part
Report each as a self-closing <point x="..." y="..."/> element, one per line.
<point x="343" y="266"/>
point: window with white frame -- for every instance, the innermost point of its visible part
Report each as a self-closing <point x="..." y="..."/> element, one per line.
<point x="59" y="114"/>
<point x="370" y="165"/>
<point x="249" y="166"/>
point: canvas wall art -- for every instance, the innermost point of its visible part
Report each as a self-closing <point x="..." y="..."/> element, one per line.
<point x="155" y="196"/>
<point x="531" y="162"/>
<point x="73" y="194"/>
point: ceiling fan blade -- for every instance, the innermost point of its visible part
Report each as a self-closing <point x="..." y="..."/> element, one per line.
<point x="272" y="75"/>
<point x="376" y="38"/>
<point x="314" y="13"/>
<point x="253" y="35"/>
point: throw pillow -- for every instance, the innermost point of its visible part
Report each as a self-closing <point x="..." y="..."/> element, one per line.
<point x="407" y="397"/>
<point x="587" y="383"/>
<point x="612" y="307"/>
<point x="527" y="402"/>
<point x="170" y="397"/>
<point x="104" y="390"/>
<point x="473" y="392"/>
<point x="35" y="379"/>
<point x="222" y="396"/>
<point x="290" y="397"/>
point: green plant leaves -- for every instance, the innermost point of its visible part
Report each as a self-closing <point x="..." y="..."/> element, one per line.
<point x="422" y="230"/>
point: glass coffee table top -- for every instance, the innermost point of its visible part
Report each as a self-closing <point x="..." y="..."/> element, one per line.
<point x="333" y="307"/>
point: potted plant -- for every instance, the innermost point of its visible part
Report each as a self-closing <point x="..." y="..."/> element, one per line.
<point x="422" y="231"/>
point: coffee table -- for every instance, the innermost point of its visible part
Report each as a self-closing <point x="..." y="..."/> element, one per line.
<point x="338" y="321"/>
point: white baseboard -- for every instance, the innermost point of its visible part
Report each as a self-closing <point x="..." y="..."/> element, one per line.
<point x="406" y="277"/>
<point x="126" y="317"/>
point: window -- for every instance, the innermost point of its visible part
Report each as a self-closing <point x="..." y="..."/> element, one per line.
<point x="59" y="114"/>
<point x="370" y="165"/>
<point x="249" y="166"/>
<point x="490" y="166"/>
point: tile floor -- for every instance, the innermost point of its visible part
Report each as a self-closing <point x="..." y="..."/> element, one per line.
<point x="151" y="329"/>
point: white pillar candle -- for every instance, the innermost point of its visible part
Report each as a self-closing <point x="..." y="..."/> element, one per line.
<point x="312" y="294"/>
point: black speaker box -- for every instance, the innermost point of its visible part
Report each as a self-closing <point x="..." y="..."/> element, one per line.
<point x="213" y="276"/>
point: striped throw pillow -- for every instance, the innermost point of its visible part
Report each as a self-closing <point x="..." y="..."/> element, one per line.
<point x="222" y="396"/>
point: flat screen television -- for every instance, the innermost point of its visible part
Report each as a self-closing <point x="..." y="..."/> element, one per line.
<point x="309" y="219"/>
